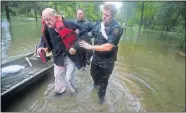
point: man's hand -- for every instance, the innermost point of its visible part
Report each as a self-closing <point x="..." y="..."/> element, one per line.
<point x="89" y="34"/>
<point x="40" y="49"/>
<point x="85" y="45"/>
<point x="77" y="31"/>
<point x="72" y="51"/>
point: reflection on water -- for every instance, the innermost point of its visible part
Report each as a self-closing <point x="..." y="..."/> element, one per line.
<point x="6" y="38"/>
<point x="148" y="77"/>
<point x="158" y="71"/>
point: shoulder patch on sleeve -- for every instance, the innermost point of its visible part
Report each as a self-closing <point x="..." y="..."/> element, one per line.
<point x="116" y="31"/>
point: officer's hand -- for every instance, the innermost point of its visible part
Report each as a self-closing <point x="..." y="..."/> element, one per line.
<point x="85" y="45"/>
<point x="40" y="49"/>
<point x="72" y="51"/>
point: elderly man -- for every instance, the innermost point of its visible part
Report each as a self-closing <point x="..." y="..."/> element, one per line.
<point x="86" y="26"/>
<point x="107" y="35"/>
<point x="54" y="32"/>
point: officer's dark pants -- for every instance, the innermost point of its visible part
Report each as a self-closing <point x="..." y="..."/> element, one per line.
<point x="100" y="77"/>
<point x="85" y="54"/>
<point x="89" y="53"/>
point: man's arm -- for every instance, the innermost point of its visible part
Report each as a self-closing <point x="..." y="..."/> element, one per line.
<point x="92" y="27"/>
<point x="89" y="30"/>
<point x="71" y="25"/>
<point x="42" y="43"/>
<point x="113" y="40"/>
<point x="103" y="47"/>
<point x="41" y="46"/>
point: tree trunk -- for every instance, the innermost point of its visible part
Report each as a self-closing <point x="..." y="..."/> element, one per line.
<point x="184" y="15"/>
<point x="166" y="28"/>
<point x="141" y="22"/>
<point x="55" y="6"/>
<point x="7" y="12"/>
<point x="35" y="15"/>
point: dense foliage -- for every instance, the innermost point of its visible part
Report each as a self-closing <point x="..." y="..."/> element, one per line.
<point x="166" y="16"/>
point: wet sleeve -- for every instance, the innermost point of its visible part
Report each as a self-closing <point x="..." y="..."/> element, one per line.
<point x="89" y="33"/>
<point x="94" y="28"/>
<point x="42" y="43"/>
<point x="71" y="25"/>
<point x="90" y="26"/>
<point x="114" y="36"/>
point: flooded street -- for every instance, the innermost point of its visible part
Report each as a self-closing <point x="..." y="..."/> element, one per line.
<point x="42" y="98"/>
<point x="149" y="77"/>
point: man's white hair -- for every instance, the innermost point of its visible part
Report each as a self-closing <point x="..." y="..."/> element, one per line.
<point x="50" y="11"/>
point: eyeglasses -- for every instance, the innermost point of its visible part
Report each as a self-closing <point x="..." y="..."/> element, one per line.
<point x="47" y="19"/>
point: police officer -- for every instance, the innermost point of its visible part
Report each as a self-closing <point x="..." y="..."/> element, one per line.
<point x="107" y="35"/>
<point x="65" y="61"/>
<point x="86" y="36"/>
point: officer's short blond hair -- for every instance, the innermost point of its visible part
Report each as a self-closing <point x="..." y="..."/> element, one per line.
<point x="112" y="8"/>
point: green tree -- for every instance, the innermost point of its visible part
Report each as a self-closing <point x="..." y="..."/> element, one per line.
<point x="141" y="21"/>
<point x="169" y="14"/>
<point x="7" y="11"/>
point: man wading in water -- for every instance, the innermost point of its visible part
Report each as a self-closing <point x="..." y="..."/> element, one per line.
<point x="107" y="35"/>
<point x="66" y="59"/>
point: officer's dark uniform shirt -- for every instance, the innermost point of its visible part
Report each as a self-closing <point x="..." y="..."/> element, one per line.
<point x="114" y="32"/>
<point x="57" y="46"/>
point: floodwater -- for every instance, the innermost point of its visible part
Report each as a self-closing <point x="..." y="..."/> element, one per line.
<point x="147" y="77"/>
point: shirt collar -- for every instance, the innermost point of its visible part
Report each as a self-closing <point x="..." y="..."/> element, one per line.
<point x="110" y="24"/>
<point x="81" y="20"/>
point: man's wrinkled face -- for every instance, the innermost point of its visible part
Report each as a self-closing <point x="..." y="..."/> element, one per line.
<point x="106" y="17"/>
<point x="50" y="21"/>
<point x="80" y="15"/>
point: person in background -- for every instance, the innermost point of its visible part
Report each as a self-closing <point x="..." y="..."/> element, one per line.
<point x="85" y="26"/>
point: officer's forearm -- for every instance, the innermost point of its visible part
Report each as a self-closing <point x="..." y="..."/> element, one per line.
<point x="103" y="47"/>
